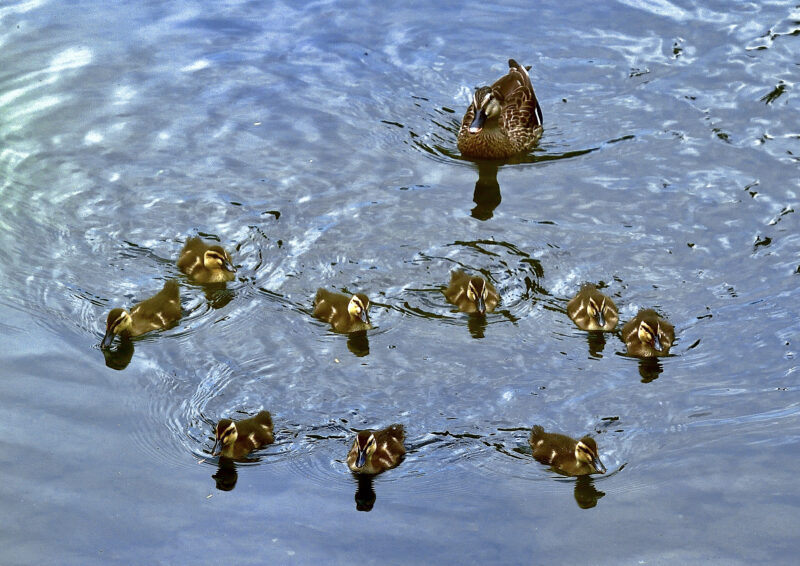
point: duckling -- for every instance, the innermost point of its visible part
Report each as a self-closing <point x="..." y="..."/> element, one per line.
<point x="502" y="120"/>
<point x="161" y="311"/>
<point x="565" y="455"/>
<point x="471" y="293"/>
<point x="346" y="314"/>
<point x="592" y="310"/>
<point x="648" y="335"/>
<point x="238" y="438"/>
<point x="205" y="263"/>
<point x="375" y="451"/>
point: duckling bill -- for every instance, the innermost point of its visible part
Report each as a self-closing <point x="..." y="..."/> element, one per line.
<point x="375" y="451"/>
<point x="204" y="263"/>
<point x="502" y="120"/>
<point x="648" y="335"/>
<point x="564" y="454"/>
<point x="471" y="293"/>
<point x="237" y="439"/>
<point x="161" y="311"/>
<point x="592" y="310"/>
<point x="345" y="313"/>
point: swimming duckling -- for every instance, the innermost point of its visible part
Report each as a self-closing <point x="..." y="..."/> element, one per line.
<point x="562" y="453"/>
<point x="159" y="312"/>
<point x="502" y="120"/>
<point x="238" y="438"/>
<point x="346" y="314"/>
<point x="471" y="293"/>
<point x="205" y="263"/>
<point x="375" y="451"/>
<point x="648" y="335"/>
<point x="592" y="310"/>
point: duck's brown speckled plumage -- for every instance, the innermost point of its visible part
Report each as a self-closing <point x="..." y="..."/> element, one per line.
<point x="375" y="451"/>
<point x="346" y="313"/>
<point x="471" y="293"/>
<point x="206" y="263"/>
<point x="513" y="123"/>
<point x="592" y="310"/>
<point x="648" y="335"/>
<point x="161" y="311"/>
<point x="564" y="454"/>
<point x="238" y="438"/>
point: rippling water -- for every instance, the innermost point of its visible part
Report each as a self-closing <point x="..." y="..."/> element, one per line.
<point x="317" y="144"/>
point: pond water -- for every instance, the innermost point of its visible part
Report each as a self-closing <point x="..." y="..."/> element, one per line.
<point x="316" y="142"/>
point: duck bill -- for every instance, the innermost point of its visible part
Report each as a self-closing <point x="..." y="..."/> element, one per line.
<point x="362" y="459"/>
<point x="108" y="338"/>
<point x="598" y="465"/>
<point x="364" y="317"/>
<point x="657" y="344"/>
<point x="214" y="449"/>
<point x="480" y="306"/>
<point x="228" y="266"/>
<point x="601" y="320"/>
<point x="477" y="122"/>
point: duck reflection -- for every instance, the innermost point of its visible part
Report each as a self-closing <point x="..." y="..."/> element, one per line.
<point x="597" y="342"/>
<point x="226" y="476"/>
<point x="365" y="493"/>
<point x="358" y="343"/>
<point x="487" y="192"/>
<point x="650" y="369"/>
<point x="118" y="358"/>
<point x="477" y="326"/>
<point x="586" y="494"/>
<point x="217" y="295"/>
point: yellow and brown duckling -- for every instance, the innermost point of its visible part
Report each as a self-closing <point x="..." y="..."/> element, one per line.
<point x="205" y="263"/>
<point x="237" y="439"/>
<point x="471" y="293"/>
<point x="592" y="310"/>
<point x="346" y="313"/>
<point x="161" y="311"/>
<point x="564" y="454"/>
<point x="375" y="451"/>
<point x="502" y="120"/>
<point x="648" y="335"/>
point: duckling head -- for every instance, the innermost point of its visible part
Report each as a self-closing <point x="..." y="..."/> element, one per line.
<point x="358" y="307"/>
<point x="119" y="322"/>
<point x="653" y="333"/>
<point x="586" y="452"/>
<point x="477" y="293"/>
<point x="366" y="445"/>
<point x="225" y="435"/>
<point x="215" y="257"/>
<point x="487" y="106"/>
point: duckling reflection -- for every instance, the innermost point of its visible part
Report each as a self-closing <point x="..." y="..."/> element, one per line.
<point x="487" y="192"/>
<point x="217" y="295"/>
<point x="118" y="358"/>
<point x="358" y="343"/>
<point x="472" y="294"/>
<point x="365" y="493"/>
<point x="477" y="326"/>
<point x="238" y="438"/>
<point x="650" y="369"/>
<point x="586" y="494"/>
<point x="159" y="312"/>
<point x="345" y="313"/>
<point x="564" y="454"/>
<point x="375" y="451"/>
<point x="648" y="335"/>
<point x="592" y="310"/>
<point x="204" y="263"/>
<point x="597" y="343"/>
<point x="226" y="476"/>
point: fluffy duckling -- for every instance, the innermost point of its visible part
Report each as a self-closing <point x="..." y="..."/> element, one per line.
<point x="592" y="310"/>
<point x="471" y="293"/>
<point x="159" y="312"/>
<point x="502" y="120"/>
<point x="648" y="335"/>
<point x="562" y="453"/>
<point x="238" y="438"/>
<point x="345" y="313"/>
<point x="205" y="263"/>
<point x="375" y="451"/>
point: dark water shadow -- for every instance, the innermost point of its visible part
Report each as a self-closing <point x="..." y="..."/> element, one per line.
<point x="217" y="295"/>
<point x="365" y="493"/>
<point x="650" y="369"/>
<point x="487" y="195"/>
<point x="477" y="326"/>
<point x="118" y="358"/>
<point x="358" y="343"/>
<point x="596" y="340"/>
<point x="586" y="494"/>
<point x="226" y="475"/>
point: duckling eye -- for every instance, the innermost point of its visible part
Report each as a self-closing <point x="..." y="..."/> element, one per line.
<point x="471" y="293"/>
